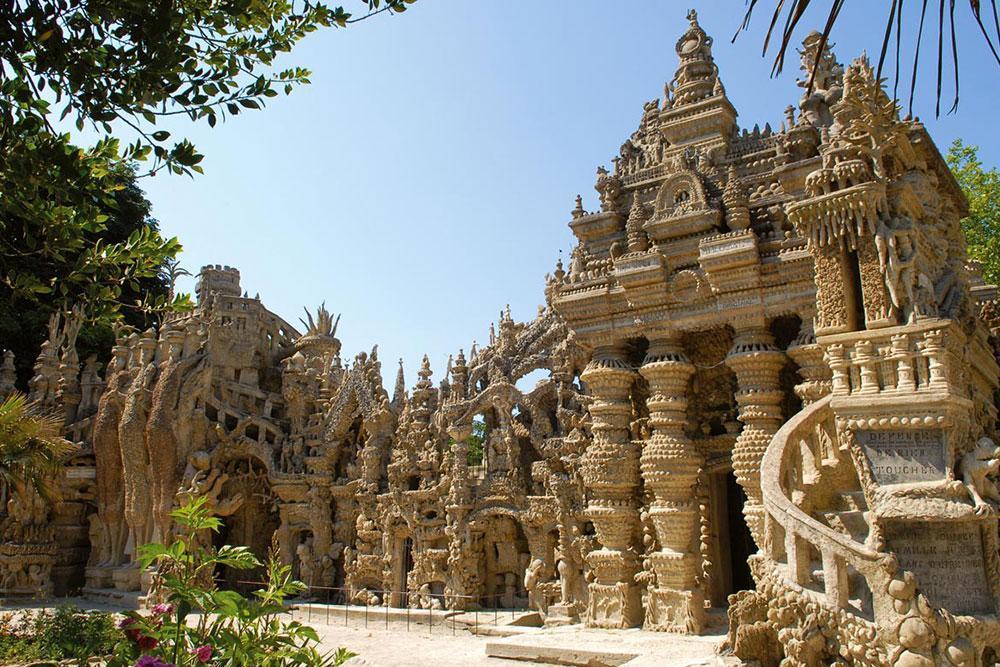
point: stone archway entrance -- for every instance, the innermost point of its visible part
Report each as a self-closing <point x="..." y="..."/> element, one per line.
<point x="402" y="564"/>
<point x="503" y="555"/>
<point x="254" y="523"/>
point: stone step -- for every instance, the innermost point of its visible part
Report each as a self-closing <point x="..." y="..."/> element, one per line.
<point x="573" y="645"/>
<point x="113" y="597"/>
<point x="853" y="500"/>
<point x="853" y="523"/>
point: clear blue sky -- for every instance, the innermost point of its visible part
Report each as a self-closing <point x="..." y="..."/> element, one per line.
<point x="425" y="178"/>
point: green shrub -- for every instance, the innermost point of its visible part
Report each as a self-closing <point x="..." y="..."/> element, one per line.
<point x="65" y="632"/>
<point x="198" y="624"/>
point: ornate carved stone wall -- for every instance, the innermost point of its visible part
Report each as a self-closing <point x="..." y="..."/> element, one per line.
<point x="660" y="464"/>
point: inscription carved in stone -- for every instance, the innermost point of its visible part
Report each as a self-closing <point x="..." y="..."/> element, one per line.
<point x="947" y="558"/>
<point x="904" y="456"/>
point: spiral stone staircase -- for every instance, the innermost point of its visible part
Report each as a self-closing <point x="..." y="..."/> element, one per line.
<point x="872" y="552"/>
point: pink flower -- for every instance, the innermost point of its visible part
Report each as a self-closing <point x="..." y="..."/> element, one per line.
<point x="124" y="623"/>
<point x="203" y="653"/>
<point x="150" y="661"/>
<point x="161" y="609"/>
<point x="146" y="643"/>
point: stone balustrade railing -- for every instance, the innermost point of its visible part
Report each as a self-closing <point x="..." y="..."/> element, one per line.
<point x="902" y="360"/>
<point x="795" y="538"/>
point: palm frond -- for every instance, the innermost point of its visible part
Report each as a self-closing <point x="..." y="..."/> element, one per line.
<point x="793" y="10"/>
<point x="32" y="448"/>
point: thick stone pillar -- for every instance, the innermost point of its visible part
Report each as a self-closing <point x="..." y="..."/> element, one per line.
<point x="670" y="464"/>
<point x="610" y="468"/>
<point x="757" y="364"/>
<point x="813" y="369"/>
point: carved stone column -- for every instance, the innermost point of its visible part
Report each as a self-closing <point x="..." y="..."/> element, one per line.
<point x="670" y="465"/>
<point x="813" y="369"/>
<point x="757" y="364"/>
<point x="610" y="468"/>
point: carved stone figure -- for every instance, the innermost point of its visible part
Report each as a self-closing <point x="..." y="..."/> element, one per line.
<point x="108" y="459"/>
<point x="977" y="467"/>
<point x="135" y="453"/>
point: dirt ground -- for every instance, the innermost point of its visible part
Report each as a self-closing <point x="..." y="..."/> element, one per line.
<point x="378" y="647"/>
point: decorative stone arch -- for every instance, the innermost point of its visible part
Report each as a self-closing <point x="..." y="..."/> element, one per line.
<point x="353" y="399"/>
<point x="689" y="286"/>
<point x="236" y="446"/>
<point x="505" y="556"/>
<point x="401" y="552"/>
<point x="685" y="188"/>
<point x="256" y="520"/>
<point x="356" y="401"/>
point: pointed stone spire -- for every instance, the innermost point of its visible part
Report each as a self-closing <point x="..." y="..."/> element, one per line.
<point x="697" y="76"/>
<point x="636" y="235"/>
<point x="459" y="377"/>
<point x="578" y="211"/>
<point x="424" y="374"/>
<point x="444" y="387"/>
<point x="399" y="393"/>
<point x="696" y="83"/>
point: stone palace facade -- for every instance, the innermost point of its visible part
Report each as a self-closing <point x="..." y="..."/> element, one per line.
<point x="770" y="383"/>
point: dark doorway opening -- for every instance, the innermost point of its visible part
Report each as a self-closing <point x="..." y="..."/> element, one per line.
<point x="732" y="543"/>
<point x="740" y="540"/>
<point x="407" y="565"/>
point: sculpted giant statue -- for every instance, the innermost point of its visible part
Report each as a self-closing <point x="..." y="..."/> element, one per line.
<point x="108" y="461"/>
<point x="132" y="438"/>
<point x="161" y="436"/>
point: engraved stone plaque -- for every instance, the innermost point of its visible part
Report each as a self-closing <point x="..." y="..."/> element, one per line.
<point x="904" y="456"/>
<point x="947" y="559"/>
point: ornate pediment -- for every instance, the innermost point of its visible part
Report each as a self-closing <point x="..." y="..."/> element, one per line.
<point x="681" y="208"/>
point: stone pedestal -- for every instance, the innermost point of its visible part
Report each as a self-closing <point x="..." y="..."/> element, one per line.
<point x="99" y="577"/>
<point x="757" y="364"/>
<point x="561" y="614"/>
<point x="126" y="578"/>
<point x="670" y="464"/>
<point x="610" y="468"/>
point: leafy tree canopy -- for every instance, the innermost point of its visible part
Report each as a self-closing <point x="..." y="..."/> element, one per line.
<point x="937" y="25"/>
<point x="69" y="229"/>
<point x="24" y="315"/>
<point x="982" y="188"/>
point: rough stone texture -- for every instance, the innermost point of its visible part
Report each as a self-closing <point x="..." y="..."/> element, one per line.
<point x="764" y="304"/>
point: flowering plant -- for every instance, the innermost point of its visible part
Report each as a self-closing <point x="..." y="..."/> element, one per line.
<point x="198" y="624"/>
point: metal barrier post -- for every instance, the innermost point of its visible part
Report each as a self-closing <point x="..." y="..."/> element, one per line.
<point x="366" y="614"/>
<point x="328" y="606"/>
<point x="309" y="609"/>
<point x="406" y="601"/>
<point x="385" y="601"/>
<point x="346" y="602"/>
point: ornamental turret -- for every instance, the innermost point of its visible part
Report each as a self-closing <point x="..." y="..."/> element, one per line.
<point x="695" y="108"/>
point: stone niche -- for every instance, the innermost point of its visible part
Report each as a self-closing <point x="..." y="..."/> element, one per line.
<point x="904" y="456"/>
<point x="948" y="560"/>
